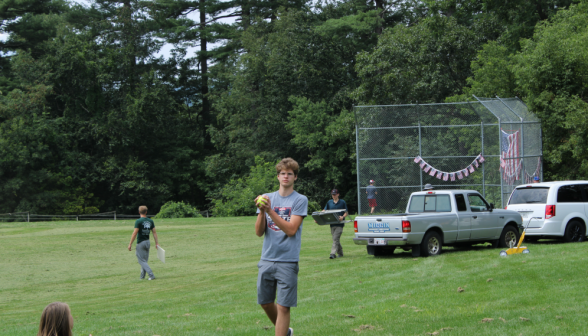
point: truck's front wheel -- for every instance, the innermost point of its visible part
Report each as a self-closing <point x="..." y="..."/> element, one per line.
<point x="510" y="236"/>
<point x="431" y="244"/>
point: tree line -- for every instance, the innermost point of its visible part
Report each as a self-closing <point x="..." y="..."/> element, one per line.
<point x="93" y="118"/>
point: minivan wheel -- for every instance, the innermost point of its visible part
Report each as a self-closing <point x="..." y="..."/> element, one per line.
<point x="575" y="232"/>
<point x="509" y="234"/>
<point x="431" y="244"/>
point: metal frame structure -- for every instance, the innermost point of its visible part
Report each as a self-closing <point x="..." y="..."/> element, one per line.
<point x="448" y="136"/>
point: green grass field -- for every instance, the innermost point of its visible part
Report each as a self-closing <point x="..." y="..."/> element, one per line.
<point x="208" y="285"/>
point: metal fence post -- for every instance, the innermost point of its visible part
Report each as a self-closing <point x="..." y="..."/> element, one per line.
<point x="357" y="161"/>
<point x="114" y="215"/>
<point x="500" y="155"/>
<point x="420" y="152"/>
<point x="482" y="153"/>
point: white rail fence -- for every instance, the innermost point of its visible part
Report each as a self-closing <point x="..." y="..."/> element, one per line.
<point x="111" y="215"/>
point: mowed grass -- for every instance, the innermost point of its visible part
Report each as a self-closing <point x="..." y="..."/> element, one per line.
<point x="208" y="285"/>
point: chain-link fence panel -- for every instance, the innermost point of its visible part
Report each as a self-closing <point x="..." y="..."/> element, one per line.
<point x="491" y="146"/>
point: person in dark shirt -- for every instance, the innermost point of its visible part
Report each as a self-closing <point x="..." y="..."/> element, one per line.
<point x="143" y="226"/>
<point x="371" y="195"/>
<point x="337" y="229"/>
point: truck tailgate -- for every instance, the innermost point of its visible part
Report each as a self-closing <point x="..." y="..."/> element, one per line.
<point x="381" y="226"/>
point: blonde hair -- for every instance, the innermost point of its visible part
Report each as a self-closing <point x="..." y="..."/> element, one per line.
<point x="287" y="163"/>
<point x="143" y="210"/>
<point x="55" y="320"/>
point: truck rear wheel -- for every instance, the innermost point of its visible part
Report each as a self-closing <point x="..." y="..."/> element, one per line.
<point x="431" y="244"/>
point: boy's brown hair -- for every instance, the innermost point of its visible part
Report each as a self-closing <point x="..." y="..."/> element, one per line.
<point x="143" y="210"/>
<point x="287" y="163"/>
<point x="55" y="320"/>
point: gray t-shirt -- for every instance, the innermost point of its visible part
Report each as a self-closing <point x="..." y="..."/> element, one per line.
<point x="277" y="246"/>
<point x="371" y="192"/>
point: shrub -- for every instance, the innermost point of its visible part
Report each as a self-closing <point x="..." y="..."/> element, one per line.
<point x="173" y="209"/>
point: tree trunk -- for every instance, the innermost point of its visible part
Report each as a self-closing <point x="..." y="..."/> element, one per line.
<point x="203" y="58"/>
<point x="380" y="8"/>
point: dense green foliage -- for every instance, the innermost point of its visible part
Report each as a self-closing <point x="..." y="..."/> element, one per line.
<point x="93" y="118"/>
<point x="550" y="74"/>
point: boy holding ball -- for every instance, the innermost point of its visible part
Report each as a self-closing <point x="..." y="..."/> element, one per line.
<point x="279" y="220"/>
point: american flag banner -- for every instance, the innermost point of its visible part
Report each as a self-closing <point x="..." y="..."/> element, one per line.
<point x="509" y="156"/>
<point x="460" y="174"/>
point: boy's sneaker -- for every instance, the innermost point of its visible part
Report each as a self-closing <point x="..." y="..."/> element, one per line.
<point x="332" y="256"/>
<point x="290" y="332"/>
<point x="151" y="278"/>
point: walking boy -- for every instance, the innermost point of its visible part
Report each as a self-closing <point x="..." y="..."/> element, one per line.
<point x="143" y="226"/>
<point x="371" y="195"/>
<point x="337" y="229"/>
<point x="279" y="220"/>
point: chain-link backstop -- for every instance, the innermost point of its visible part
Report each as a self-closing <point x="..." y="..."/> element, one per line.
<point x="502" y="133"/>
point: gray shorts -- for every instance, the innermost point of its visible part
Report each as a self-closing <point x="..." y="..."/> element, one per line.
<point x="280" y="276"/>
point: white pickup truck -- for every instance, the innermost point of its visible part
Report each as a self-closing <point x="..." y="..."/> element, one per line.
<point x="437" y="218"/>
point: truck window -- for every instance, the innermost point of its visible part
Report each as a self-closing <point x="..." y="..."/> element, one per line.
<point x="460" y="201"/>
<point x="417" y="204"/>
<point x="477" y="203"/>
<point x="525" y="195"/>
<point x="430" y="203"/>
<point x="443" y="203"/>
<point x="569" y="194"/>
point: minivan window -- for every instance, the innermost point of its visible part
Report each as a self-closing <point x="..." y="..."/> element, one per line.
<point x="460" y="201"/>
<point x="430" y="203"/>
<point x="584" y="187"/>
<point x="536" y="195"/>
<point x="569" y="194"/>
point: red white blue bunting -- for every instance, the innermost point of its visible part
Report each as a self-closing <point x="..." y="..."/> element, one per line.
<point x="445" y="176"/>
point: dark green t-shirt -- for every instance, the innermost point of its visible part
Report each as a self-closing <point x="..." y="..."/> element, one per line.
<point x="145" y="225"/>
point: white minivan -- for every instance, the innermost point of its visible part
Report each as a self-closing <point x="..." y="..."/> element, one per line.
<point x="556" y="209"/>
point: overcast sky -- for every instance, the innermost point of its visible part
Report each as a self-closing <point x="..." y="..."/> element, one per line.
<point x="166" y="49"/>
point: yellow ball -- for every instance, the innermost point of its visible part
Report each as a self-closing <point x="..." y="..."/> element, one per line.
<point x="261" y="201"/>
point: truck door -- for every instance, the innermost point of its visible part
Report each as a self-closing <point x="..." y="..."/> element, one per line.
<point x="464" y="225"/>
<point x="484" y="223"/>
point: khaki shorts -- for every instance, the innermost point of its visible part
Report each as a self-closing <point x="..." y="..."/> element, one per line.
<point x="277" y="276"/>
